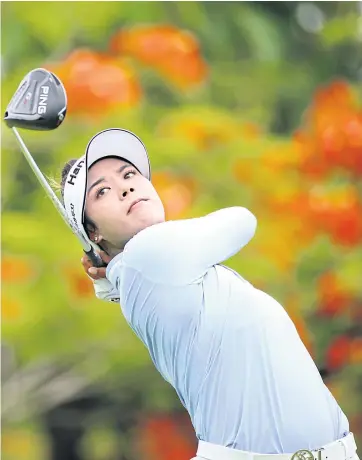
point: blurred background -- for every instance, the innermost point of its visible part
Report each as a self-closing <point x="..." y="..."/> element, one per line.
<point x="257" y="104"/>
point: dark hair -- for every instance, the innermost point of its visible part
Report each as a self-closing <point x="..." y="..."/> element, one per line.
<point x="89" y="225"/>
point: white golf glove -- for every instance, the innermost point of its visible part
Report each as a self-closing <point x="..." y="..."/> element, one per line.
<point x="105" y="291"/>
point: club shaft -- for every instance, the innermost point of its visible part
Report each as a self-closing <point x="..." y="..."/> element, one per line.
<point x="86" y="246"/>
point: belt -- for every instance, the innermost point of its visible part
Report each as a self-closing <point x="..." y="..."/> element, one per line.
<point x="343" y="449"/>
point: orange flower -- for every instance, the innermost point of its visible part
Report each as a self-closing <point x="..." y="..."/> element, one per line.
<point x="338" y="212"/>
<point x="335" y="96"/>
<point x="332" y="133"/>
<point x="97" y="82"/>
<point x="177" y="193"/>
<point x="153" y="44"/>
<point x="344" y="350"/>
<point x="174" y="53"/>
<point x="352" y="130"/>
<point x="311" y="163"/>
<point x="15" y="270"/>
<point x="163" y="438"/>
<point x="292" y="203"/>
<point x="338" y="353"/>
<point x="184" y="71"/>
<point x="80" y="285"/>
<point x="333" y="299"/>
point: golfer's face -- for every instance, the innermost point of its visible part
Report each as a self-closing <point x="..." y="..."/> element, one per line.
<point x="121" y="201"/>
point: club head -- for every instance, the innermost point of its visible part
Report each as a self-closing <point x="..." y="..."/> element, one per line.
<point x="40" y="102"/>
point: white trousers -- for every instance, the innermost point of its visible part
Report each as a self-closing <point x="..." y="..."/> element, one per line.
<point x="343" y="449"/>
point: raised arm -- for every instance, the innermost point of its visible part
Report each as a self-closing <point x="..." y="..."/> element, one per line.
<point x="180" y="252"/>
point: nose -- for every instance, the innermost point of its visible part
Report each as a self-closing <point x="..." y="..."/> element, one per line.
<point x="124" y="192"/>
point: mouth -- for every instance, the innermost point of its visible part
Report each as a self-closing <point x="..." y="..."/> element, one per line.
<point x="134" y="203"/>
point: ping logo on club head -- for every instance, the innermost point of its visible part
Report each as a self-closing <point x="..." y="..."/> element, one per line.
<point x="43" y="100"/>
<point x="75" y="173"/>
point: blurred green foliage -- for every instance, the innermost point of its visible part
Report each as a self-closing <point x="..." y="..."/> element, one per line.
<point x="264" y="66"/>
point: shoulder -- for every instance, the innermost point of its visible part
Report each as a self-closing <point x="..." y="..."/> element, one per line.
<point x="156" y="253"/>
<point x="150" y="237"/>
<point x="146" y="245"/>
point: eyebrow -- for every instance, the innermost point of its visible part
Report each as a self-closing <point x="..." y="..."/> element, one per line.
<point x="102" y="179"/>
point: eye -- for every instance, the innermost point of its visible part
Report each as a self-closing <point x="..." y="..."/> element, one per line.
<point x="101" y="192"/>
<point x="130" y="173"/>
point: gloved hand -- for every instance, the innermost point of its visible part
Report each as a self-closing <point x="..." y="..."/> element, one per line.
<point x="102" y="287"/>
<point x="104" y="290"/>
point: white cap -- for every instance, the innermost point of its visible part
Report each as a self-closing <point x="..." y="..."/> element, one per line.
<point x="114" y="142"/>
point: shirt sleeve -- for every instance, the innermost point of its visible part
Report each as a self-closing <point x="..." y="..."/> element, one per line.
<point x="181" y="252"/>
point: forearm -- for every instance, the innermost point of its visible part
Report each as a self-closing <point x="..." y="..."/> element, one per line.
<point x="230" y="229"/>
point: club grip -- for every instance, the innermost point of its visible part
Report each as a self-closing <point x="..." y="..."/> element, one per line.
<point x="95" y="258"/>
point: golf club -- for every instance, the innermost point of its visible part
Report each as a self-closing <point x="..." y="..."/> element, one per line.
<point x="40" y="103"/>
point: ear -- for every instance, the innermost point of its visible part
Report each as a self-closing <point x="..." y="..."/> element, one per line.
<point x="92" y="231"/>
<point x="96" y="237"/>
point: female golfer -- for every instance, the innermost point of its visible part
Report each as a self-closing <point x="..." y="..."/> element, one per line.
<point x="229" y="350"/>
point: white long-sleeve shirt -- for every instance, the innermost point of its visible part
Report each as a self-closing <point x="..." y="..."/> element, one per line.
<point x="230" y="350"/>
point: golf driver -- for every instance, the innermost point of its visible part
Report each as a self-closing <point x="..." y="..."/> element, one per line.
<point x="40" y="103"/>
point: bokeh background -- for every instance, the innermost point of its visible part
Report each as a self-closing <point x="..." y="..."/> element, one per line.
<point x="257" y="104"/>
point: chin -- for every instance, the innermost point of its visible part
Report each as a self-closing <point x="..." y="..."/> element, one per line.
<point x="150" y="220"/>
<point x="152" y="217"/>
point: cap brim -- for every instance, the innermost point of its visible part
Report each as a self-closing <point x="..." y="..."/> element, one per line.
<point x="116" y="142"/>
